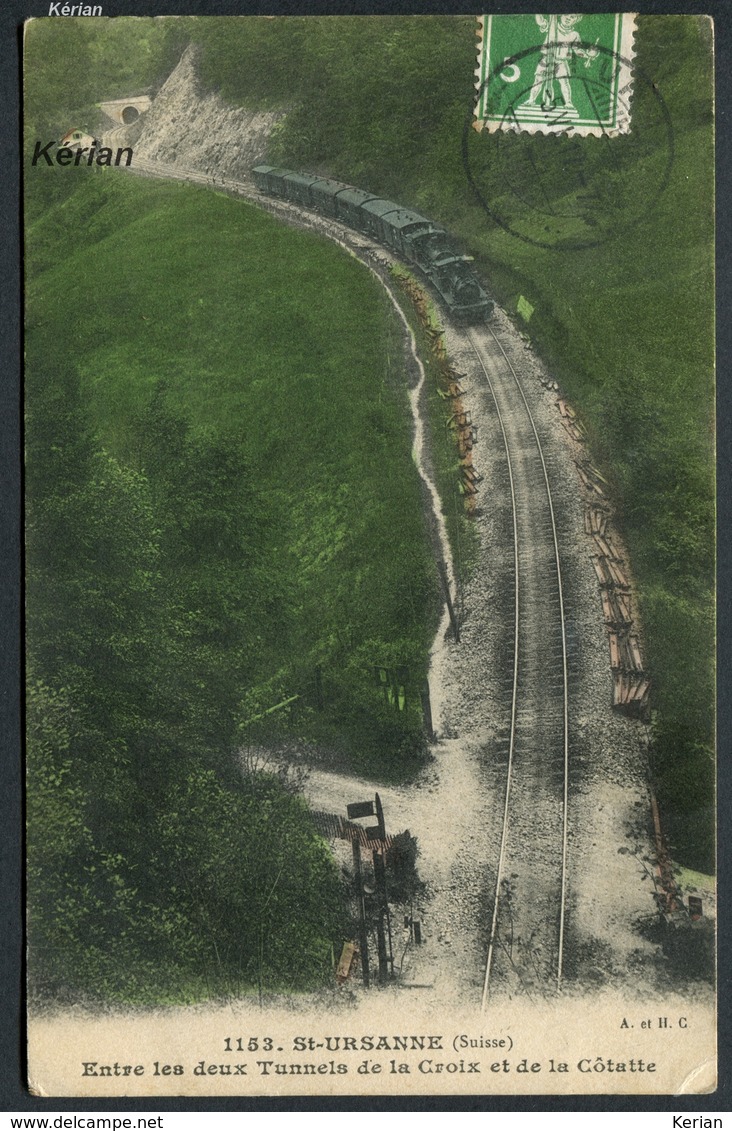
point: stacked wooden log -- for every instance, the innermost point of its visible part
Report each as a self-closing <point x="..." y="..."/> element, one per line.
<point x="460" y="422"/>
<point x="596" y="517"/>
<point x="631" y="682"/>
<point x="421" y="301"/>
<point x="450" y="388"/>
<point x="572" y="425"/>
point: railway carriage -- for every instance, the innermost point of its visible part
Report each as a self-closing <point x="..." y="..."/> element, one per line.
<point x="395" y="226"/>
<point x="297" y="188"/>
<point x="412" y="236"/>
<point x="375" y="213"/>
<point x="268" y="178"/>
<point x="324" y="194"/>
<point x="349" y="207"/>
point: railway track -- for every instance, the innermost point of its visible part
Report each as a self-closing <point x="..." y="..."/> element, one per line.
<point x="526" y="942"/>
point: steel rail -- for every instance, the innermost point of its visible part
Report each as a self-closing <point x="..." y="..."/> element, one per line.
<point x="565" y="676"/>
<point x="514" y="696"/>
<point x="248" y="190"/>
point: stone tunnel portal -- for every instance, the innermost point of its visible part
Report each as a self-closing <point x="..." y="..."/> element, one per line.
<point x="125" y="111"/>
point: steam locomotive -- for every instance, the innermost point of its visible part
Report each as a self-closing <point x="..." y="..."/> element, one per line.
<point x="411" y="236"/>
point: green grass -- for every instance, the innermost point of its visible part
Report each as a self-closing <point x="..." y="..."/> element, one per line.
<point x="276" y="344"/>
<point x="687" y="878"/>
<point x="627" y="326"/>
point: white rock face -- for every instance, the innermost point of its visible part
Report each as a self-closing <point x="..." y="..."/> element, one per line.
<point x="190" y="127"/>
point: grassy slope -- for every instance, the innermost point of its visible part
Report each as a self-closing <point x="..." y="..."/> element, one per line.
<point x="628" y="326"/>
<point x="276" y="342"/>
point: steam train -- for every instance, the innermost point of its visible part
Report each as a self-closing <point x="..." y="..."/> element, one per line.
<point x="411" y="236"/>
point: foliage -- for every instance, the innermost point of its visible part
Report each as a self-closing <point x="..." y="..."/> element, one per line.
<point x="73" y="64"/>
<point x="146" y="851"/>
<point x="403" y="882"/>
<point x="214" y="512"/>
<point x="627" y="326"/>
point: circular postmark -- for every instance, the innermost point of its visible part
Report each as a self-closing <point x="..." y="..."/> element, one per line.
<point x="553" y="168"/>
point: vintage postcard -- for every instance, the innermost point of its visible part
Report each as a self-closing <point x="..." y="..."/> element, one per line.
<point x="369" y="399"/>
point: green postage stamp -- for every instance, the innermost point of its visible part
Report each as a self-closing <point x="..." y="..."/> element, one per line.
<point x="556" y="73"/>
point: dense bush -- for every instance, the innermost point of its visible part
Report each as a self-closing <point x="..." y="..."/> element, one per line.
<point x="149" y="860"/>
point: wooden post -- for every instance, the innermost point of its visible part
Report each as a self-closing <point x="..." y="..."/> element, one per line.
<point x="363" y="936"/>
<point x="380" y="818"/>
<point x="381" y="941"/>
<point x="386" y="956"/>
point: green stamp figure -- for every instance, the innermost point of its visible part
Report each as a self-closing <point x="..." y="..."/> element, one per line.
<point x="555" y="74"/>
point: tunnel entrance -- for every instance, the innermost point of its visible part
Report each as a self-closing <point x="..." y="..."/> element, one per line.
<point x="125" y="111"/>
